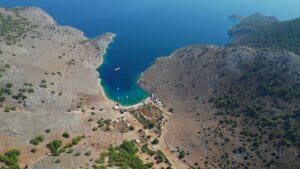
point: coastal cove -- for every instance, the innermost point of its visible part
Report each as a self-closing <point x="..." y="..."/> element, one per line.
<point x="149" y="29"/>
<point x="136" y="94"/>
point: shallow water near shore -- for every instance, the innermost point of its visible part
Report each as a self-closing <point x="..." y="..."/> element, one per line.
<point x="149" y="29"/>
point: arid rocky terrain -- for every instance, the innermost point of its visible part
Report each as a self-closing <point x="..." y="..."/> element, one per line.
<point x="53" y="113"/>
<point x="211" y="106"/>
<point x="234" y="106"/>
<point x="48" y="80"/>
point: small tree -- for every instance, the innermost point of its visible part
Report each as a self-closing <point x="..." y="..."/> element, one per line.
<point x="66" y="135"/>
<point x="155" y="141"/>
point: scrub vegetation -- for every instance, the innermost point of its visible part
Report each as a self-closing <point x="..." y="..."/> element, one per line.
<point x="122" y="157"/>
<point x="14" y="27"/>
<point x="10" y="159"/>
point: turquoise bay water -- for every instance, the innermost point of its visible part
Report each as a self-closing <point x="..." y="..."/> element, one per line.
<point x="147" y="29"/>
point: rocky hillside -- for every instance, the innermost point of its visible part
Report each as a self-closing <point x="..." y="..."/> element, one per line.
<point x="234" y="107"/>
<point x="48" y="86"/>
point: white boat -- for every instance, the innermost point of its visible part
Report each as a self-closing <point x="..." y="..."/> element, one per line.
<point x="117" y="69"/>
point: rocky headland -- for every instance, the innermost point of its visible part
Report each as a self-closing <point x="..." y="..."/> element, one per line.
<point x="234" y="106"/>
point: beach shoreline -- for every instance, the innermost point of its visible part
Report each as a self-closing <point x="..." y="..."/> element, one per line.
<point x="99" y="65"/>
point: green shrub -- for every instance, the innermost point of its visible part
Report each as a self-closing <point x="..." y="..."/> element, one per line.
<point x="33" y="150"/>
<point x="100" y="167"/>
<point x="148" y="151"/>
<point x="6" y="91"/>
<point x="66" y="135"/>
<point x="9" y="85"/>
<point x="107" y="121"/>
<point x="10" y="159"/>
<point x="100" y="123"/>
<point x="70" y="151"/>
<point x="7" y="66"/>
<point x="54" y="147"/>
<point x="181" y="154"/>
<point x="36" y="140"/>
<point x="2" y="98"/>
<point x="101" y="160"/>
<point x="227" y="102"/>
<point x="88" y="153"/>
<point x="124" y="156"/>
<point x="7" y="109"/>
<point x="146" y="123"/>
<point x="129" y="147"/>
<point x="155" y="141"/>
<point x="57" y="161"/>
<point x="13" y="108"/>
<point x="160" y="157"/>
<point x="76" y="140"/>
<point x="131" y="128"/>
<point x="30" y="90"/>
<point x="77" y="154"/>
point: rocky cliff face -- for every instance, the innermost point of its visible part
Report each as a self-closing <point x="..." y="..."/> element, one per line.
<point x="232" y="107"/>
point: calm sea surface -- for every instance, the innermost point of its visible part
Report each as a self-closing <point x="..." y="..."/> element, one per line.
<point x="147" y="29"/>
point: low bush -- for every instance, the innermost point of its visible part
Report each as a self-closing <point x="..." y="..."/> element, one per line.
<point x="155" y="141"/>
<point x="76" y="140"/>
<point x="36" y="140"/>
<point x="66" y="135"/>
<point x="10" y="159"/>
<point x="54" y="147"/>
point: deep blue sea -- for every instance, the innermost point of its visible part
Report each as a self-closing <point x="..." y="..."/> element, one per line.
<point x="147" y="29"/>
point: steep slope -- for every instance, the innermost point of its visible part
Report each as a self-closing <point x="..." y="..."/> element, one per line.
<point x="232" y="107"/>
